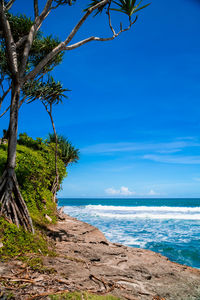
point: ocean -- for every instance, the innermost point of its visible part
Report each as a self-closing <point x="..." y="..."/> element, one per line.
<point x="167" y="226"/>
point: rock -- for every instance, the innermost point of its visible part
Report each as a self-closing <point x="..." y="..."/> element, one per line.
<point x="61" y="214"/>
<point x="130" y="273"/>
<point x="48" y="218"/>
<point x="85" y="260"/>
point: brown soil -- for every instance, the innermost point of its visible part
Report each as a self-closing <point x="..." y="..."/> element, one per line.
<point x="87" y="261"/>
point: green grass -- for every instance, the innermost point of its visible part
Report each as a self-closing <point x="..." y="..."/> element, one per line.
<point x="81" y="296"/>
<point x="17" y="242"/>
<point x="35" y="171"/>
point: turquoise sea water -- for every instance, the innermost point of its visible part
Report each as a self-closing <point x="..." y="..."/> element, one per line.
<point x="168" y="226"/>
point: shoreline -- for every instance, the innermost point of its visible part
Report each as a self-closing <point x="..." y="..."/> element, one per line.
<point x="85" y="260"/>
<point x="130" y="246"/>
<point x="155" y="225"/>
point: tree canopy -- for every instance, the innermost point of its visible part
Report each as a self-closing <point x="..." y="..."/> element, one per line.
<point x="26" y="57"/>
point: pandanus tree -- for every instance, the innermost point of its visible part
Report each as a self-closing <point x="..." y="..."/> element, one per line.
<point x="20" y="65"/>
<point x="50" y="93"/>
<point x="12" y="205"/>
<point x="68" y="153"/>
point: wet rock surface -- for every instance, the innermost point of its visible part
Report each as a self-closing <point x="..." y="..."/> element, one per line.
<point x="86" y="260"/>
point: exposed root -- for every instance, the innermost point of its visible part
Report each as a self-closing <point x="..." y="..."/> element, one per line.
<point x="52" y="292"/>
<point x="12" y="205"/>
<point x="108" y="286"/>
<point x="15" y="279"/>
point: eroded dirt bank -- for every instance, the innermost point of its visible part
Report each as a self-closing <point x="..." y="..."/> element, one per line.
<point x="87" y="261"/>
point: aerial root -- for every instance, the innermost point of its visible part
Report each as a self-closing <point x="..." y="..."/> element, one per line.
<point x="12" y="205"/>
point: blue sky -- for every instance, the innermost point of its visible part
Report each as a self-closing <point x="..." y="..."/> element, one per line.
<point x="133" y="110"/>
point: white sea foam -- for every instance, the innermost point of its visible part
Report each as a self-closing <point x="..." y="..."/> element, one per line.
<point x="149" y="216"/>
<point x="125" y="239"/>
<point x="144" y="208"/>
<point x="132" y="212"/>
<point x="172" y="231"/>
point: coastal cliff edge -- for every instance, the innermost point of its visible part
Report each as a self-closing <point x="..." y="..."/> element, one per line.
<point x="87" y="261"/>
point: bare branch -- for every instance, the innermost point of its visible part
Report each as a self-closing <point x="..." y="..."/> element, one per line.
<point x="32" y="34"/>
<point x="82" y="20"/>
<point x="62" y="45"/>
<point x="46" y="107"/>
<point x="4" y="95"/>
<point x="7" y="109"/>
<point x="56" y="6"/>
<point x="2" y="78"/>
<point x="46" y="9"/>
<point x="9" y="4"/>
<point x="99" y="39"/>
<point x="10" y="45"/>
<point x="1" y="84"/>
<point x="25" y="97"/>
<point x="90" y="39"/>
<point x="109" y="20"/>
<point x="22" y="101"/>
<point x="36" y="10"/>
<point x="21" y="41"/>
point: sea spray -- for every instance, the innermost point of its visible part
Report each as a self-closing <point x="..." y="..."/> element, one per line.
<point x="168" y="226"/>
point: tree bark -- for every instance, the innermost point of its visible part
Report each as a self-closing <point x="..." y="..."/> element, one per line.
<point x="56" y="180"/>
<point x="12" y="204"/>
<point x="13" y="127"/>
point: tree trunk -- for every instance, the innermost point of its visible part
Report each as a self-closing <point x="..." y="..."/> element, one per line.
<point x="12" y="205"/>
<point x="56" y="180"/>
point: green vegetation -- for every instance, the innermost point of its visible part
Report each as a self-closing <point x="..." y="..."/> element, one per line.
<point x="35" y="170"/>
<point x="35" y="263"/>
<point x="68" y="153"/>
<point x="26" y="59"/>
<point x="81" y="296"/>
<point x="17" y="242"/>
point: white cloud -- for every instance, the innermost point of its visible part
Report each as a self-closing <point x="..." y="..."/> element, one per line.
<point x="168" y="147"/>
<point x="123" y="191"/>
<point x="111" y="191"/>
<point x="187" y="160"/>
<point x="169" y="151"/>
<point x="152" y="193"/>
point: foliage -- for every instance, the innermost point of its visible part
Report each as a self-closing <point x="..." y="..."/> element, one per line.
<point x="36" y="263"/>
<point x="40" y="48"/>
<point x="128" y="7"/>
<point x="18" y="242"/>
<point x="100" y="9"/>
<point x="81" y="296"/>
<point x="25" y="54"/>
<point x="35" y="170"/>
<point x="64" y="2"/>
<point x="25" y="140"/>
<point x="51" y="92"/>
<point x="20" y="27"/>
<point x="68" y="153"/>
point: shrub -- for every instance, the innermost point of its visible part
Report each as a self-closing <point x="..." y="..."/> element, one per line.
<point x="35" y="171"/>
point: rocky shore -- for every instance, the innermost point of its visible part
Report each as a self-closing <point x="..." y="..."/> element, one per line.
<point x="86" y="260"/>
